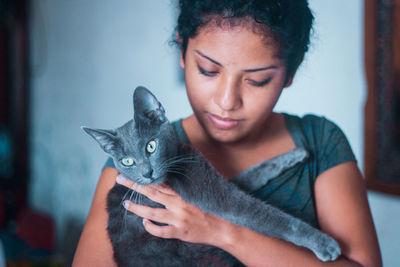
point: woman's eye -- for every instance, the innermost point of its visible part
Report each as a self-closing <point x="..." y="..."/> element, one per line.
<point x="207" y="73"/>
<point x="259" y="84"/>
<point x="151" y="146"/>
<point x="127" y="162"/>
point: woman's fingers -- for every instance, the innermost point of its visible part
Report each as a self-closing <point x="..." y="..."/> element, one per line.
<point x="183" y="220"/>
<point x="166" y="189"/>
<point x="157" y="230"/>
<point x="125" y="182"/>
<point x="161" y="193"/>
<point x="155" y="214"/>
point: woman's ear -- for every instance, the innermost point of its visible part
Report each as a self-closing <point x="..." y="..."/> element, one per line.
<point x="182" y="60"/>
<point x="289" y="81"/>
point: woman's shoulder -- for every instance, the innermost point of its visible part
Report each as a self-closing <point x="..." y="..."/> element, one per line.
<point x="323" y="139"/>
<point x="309" y="120"/>
<point x="312" y="126"/>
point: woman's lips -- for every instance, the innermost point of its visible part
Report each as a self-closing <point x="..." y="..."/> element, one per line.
<point x="223" y="123"/>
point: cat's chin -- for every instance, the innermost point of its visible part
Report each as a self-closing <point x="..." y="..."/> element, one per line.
<point x="150" y="181"/>
<point x="159" y="180"/>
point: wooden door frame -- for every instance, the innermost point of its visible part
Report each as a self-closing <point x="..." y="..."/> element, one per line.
<point x="373" y="57"/>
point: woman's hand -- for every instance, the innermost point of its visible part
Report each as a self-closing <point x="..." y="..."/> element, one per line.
<point x="184" y="221"/>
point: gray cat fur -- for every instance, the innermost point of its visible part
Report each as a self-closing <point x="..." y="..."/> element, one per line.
<point x="194" y="179"/>
<point x="272" y="167"/>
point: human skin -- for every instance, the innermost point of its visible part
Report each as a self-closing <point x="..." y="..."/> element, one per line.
<point x="249" y="133"/>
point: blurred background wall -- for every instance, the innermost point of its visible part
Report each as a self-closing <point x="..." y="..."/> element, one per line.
<point x="87" y="56"/>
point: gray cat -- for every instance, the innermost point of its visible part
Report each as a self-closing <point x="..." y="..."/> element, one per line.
<point x="146" y="151"/>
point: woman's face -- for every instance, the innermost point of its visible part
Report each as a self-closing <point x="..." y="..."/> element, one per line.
<point x="233" y="80"/>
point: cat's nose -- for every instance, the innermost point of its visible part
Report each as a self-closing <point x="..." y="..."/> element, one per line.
<point x="148" y="174"/>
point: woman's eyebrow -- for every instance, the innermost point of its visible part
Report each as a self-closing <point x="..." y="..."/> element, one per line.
<point x="261" y="69"/>
<point x="206" y="57"/>
<point x="247" y="70"/>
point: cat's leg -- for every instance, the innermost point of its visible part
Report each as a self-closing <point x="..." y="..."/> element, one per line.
<point x="266" y="219"/>
<point x="215" y="195"/>
<point x="269" y="220"/>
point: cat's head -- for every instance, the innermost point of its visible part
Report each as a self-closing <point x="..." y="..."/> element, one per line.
<point x="143" y="147"/>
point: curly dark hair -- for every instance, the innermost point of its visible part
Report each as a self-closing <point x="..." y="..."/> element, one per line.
<point x="288" y="22"/>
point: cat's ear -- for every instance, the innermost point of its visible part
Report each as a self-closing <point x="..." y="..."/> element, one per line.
<point x="147" y="108"/>
<point x="106" y="138"/>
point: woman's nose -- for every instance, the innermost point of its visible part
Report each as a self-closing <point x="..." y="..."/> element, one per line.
<point x="228" y="95"/>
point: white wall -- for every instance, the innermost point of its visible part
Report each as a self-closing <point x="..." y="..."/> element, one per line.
<point x="88" y="55"/>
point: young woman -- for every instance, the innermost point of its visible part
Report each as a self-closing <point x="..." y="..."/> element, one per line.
<point x="238" y="56"/>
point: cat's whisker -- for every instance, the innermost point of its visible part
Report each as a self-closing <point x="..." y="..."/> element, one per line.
<point x="137" y="196"/>
<point x="123" y="198"/>
<point x="135" y="193"/>
<point x="134" y="187"/>
<point x="140" y="198"/>
<point x="126" y="211"/>
<point x="132" y="194"/>
<point x="181" y="159"/>
<point x="177" y="162"/>
<point x="180" y="173"/>
<point x="124" y="219"/>
<point x="175" y="167"/>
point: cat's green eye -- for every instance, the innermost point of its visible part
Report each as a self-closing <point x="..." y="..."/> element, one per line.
<point x="127" y="162"/>
<point x="151" y="146"/>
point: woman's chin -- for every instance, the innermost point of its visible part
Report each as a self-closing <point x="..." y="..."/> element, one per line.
<point x="224" y="136"/>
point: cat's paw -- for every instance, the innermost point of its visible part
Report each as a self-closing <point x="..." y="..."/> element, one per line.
<point x="327" y="249"/>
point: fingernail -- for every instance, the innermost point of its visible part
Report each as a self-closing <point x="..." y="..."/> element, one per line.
<point x="126" y="204"/>
<point x="144" y="221"/>
<point x="121" y="179"/>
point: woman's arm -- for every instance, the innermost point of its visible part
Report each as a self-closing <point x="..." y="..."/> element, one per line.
<point x="342" y="209"/>
<point x="343" y="212"/>
<point x="94" y="247"/>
